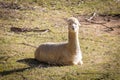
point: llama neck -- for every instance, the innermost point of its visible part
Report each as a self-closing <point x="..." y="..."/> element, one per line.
<point x="73" y="42"/>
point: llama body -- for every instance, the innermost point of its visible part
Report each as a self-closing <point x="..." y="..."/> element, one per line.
<point x="67" y="53"/>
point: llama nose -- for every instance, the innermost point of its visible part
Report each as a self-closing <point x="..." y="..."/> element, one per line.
<point x="73" y="28"/>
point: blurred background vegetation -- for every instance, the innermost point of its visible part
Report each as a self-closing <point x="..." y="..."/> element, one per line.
<point x="78" y="6"/>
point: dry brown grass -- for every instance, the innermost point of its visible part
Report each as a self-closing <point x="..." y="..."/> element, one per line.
<point x="100" y="48"/>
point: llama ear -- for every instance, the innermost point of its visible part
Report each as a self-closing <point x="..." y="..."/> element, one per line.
<point x="68" y="20"/>
<point x="79" y="24"/>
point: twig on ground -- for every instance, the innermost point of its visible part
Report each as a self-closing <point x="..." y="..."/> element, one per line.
<point x="17" y="30"/>
<point x="28" y="45"/>
<point x="89" y="19"/>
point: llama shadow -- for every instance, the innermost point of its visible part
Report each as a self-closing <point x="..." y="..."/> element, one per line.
<point x="32" y="63"/>
<point x="35" y="63"/>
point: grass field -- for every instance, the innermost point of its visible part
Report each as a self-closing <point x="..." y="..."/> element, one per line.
<point x="100" y="47"/>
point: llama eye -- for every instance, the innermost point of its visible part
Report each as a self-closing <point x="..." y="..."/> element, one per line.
<point x="70" y="24"/>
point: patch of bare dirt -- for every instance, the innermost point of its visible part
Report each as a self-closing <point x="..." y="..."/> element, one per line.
<point x="101" y="23"/>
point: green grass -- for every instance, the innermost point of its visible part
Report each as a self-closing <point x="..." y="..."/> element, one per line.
<point x="100" y="53"/>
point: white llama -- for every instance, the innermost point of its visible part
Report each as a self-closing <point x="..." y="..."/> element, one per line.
<point x="68" y="53"/>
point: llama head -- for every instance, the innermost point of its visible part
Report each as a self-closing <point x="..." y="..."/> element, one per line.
<point x="73" y="24"/>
